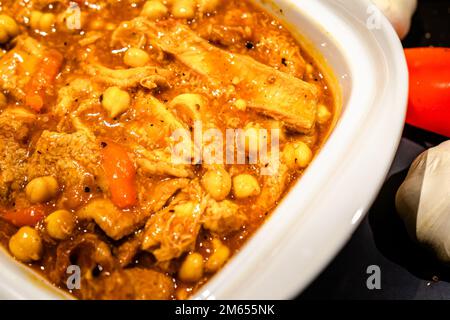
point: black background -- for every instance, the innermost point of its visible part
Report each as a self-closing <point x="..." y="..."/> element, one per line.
<point x="407" y="271"/>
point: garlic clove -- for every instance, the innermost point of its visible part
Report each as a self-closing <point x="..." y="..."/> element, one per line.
<point x="399" y="13"/>
<point x="423" y="200"/>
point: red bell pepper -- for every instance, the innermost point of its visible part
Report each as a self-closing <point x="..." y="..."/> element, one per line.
<point x="25" y="217"/>
<point x="429" y="96"/>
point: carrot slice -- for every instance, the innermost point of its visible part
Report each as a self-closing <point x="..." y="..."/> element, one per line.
<point x="25" y="217"/>
<point x="121" y="175"/>
<point x="43" y="80"/>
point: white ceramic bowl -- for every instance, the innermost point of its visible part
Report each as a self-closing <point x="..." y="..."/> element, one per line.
<point x="321" y="212"/>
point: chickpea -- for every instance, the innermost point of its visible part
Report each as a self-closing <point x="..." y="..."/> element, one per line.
<point x="9" y="25"/>
<point x="297" y="155"/>
<point x="154" y="10"/>
<point x="60" y="224"/>
<point x="241" y="104"/>
<point x="217" y="183"/>
<point x="245" y="186"/>
<point x="184" y="9"/>
<point x="47" y="21"/>
<point x="323" y="114"/>
<point x="35" y="18"/>
<point x="116" y="101"/>
<point x="191" y="269"/>
<point x="26" y="245"/>
<point x="135" y="57"/>
<point x="42" y="21"/>
<point x="208" y="6"/>
<point x="42" y="189"/>
<point x="3" y="99"/>
<point x="4" y="37"/>
<point x="220" y="255"/>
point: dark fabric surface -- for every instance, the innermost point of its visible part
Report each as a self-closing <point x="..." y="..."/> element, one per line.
<point x="407" y="271"/>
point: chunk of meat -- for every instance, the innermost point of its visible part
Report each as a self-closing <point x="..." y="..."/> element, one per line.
<point x="225" y="35"/>
<point x="70" y="96"/>
<point x="118" y="223"/>
<point x="282" y="54"/>
<point x="18" y="66"/>
<point x="223" y="217"/>
<point x="159" y="163"/>
<point x="15" y="125"/>
<point x="154" y="123"/>
<point x="274" y="186"/>
<point x="129" y="34"/>
<point x="191" y="108"/>
<point x="72" y="158"/>
<point x="148" y="77"/>
<point x="174" y="230"/>
<point x="113" y="221"/>
<point x="229" y="29"/>
<point x="149" y="105"/>
<point x="131" y="284"/>
<point x="88" y="252"/>
<point x="275" y="182"/>
<point x="156" y="197"/>
<point x="267" y="90"/>
<point x="126" y="252"/>
<point x="13" y="168"/>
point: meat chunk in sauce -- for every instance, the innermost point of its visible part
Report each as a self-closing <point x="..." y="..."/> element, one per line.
<point x="18" y="65"/>
<point x="87" y="123"/>
<point x="131" y="284"/>
<point x="72" y="157"/>
<point x="15" y="127"/>
<point x="267" y="90"/>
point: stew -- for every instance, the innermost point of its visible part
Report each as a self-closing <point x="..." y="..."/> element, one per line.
<point x="96" y="173"/>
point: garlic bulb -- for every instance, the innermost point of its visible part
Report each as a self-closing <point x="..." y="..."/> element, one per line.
<point x="423" y="200"/>
<point x="399" y="13"/>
